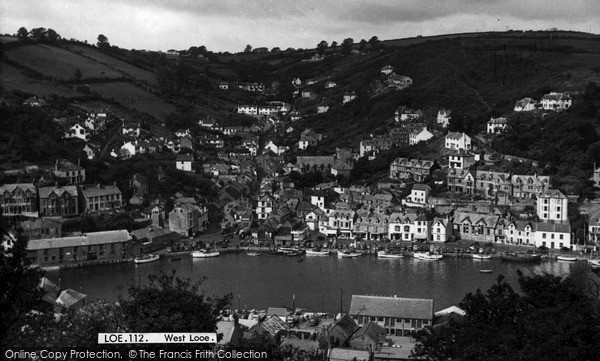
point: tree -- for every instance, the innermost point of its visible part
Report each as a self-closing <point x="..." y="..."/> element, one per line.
<point x="334" y="44"/>
<point x="52" y="36"/>
<point x="248" y="49"/>
<point x="275" y="50"/>
<point x="322" y="46"/>
<point x="375" y="43"/>
<point x="103" y="43"/>
<point x="77" y="75"/>
<point x="363" y="45"/>
<point x="38" y="34"/>
<point x="347" y="46"/>
<point x="22" y="33"/>
<point x="502" y="324"/>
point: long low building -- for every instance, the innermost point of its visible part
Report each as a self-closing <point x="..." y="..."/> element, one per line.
<point x="107" y="245"/>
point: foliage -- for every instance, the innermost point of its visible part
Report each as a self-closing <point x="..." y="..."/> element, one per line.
<point x="22" y="33"/>
<point x="103" y="43"/>
<point x="347" y="46"/>
<point x="555" y="318"/>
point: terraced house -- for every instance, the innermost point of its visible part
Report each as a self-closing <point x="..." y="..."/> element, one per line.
<point x="416" y="169"/>
<point x="101" y="198"/>
<point x="18" y="199"/>
<point x="59" y="201"/>
<point x="478" y="227"/>
<point x="408" y="226"/>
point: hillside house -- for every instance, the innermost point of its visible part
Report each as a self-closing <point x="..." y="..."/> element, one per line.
<point x="224" y="85"/>
<point x="443" y="117"/>
<point x="348" y="97"/>
<point x="276" y="149"/>
<point x="455" y="140"/>
<point x="184" y="162"/>
<point x="308" y="138"/>
<point x="77" y="131"/>
<point x="398" y="81"/>
<point x="18" y="199"/>
<point x="330" y="85"/>
<point x="419" y="195"/>
<point x="91" y="150"/>
<point x="34" y="102"/>
<point x="408" y="227"/>
<point x="525" y="105"/>
<point x="101" y="198"/>
<point x="441" y="229"/>
<point x="497" y="125"/>
<point x="556" y="101"/>
<point x="315" y="163"/>
<point x="404" y="113"/>
<point x="252" y="87"/>
<point x="417" y="169"/>
<point x="460" y="180"/>
<point x="207" y="122"/>
<point x="551" y="205"/>
<point x="529" y="186"/>
<point x="387" y="70"/>
<point x="309" y="94"/>
<point x="490" y="184"/>
<point x="296" y="82"/>
<point x="460" y="159"/>
<point x="247" y="109"/>
<point x="131" y="129"/>
<point x="59" y="201"/>
<point x="322" y="108"/>
<point x="74" y="174"/>
<point x="342" y="168"/>
<point x="417" y="136"/>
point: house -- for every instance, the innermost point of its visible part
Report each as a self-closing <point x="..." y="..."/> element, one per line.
<point x="342" y="330"/>
<point x="224" y="85"/>
<point x="478" y="227"/>
<point x="71" y="299"/>
<point x="441" y="229"/>
<point x="443" y="117"/>
<point x="553" y="235"/>
<point x="460" y="159"/>
<point x="322" y="108"/>
<point x="455" y="140"/>
<point x="497" y="125"/>
<point x="594" y="227"/>
<point x="368" y="337"/>
<point x="315" y="163"/>
<point x="491" y="184"/>
<point x="529" y="186"/>
<point x="34" y="101"/>
<point x="398" y="81"/>
<point x="186" y="142"/>
<point x="101" y="198"/>
<point x="417" y="169"/>
<point x="247" y="109"/>
<point x="330" y="85"/>
<point x="18" y="199"/>
<point x="309" y="94"/>
<point x="59" y="201"/>
<point x="417" y="136"/>
<point x="308" y="138"/>
<point x="207" y="122"/>
<point x="398" y="316"/>
<point x="341" y="222"/>
<point x="419" y="195"/>
<point x="341" y="168"/>
<point x="92" y="246"/>
<point x="184" y="162"/>
<point x="371" y="226"/>
<point x="77" y="131"/>
<point x="460" y="180"/>
<point x="521" y="233"/>
<point x="72" y="173"/>
<point x="187" y="218"/>
<point x="404" y="113"/>
<point x="408" y="227"/>
<point x="131" y="129"/>
<point x="276" y="149"/>
<point x="37" y="228"/>
<point x="525" y="105"/>
<point x="348" y="97"/>
<point x="95" y="123"/>
<point x="296" y="82"/>
<point x="252" y="87"/>
<point x="264" y="207"/>
<point x="556" y="101"/>
<point x="91" y="150"/>
<point x="387" y="70"/>
<point x="552" y="206"/>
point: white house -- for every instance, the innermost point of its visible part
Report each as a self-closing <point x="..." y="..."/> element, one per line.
<point x="525" y="105"/>
<point x="322" y="108"/>
<point x="553" y="235"/>
<point x="419" y="195"/>
<point x="387" y="70"/>
<point x="184" y="162"/>
<point x="408" y="226"/>
<point x="224" y="85"/>
<point x="552" y="206"/>
<point x="276" y="149"/>
<point x="461" y="159"/>
<point x="207" y="122"/>
<point x="455" y="140"/>
<point x="330" y="84"/>
<point x="341" y="222"/>
<point x="296" y="82"/>
<point x="520" y="232"/>
<point x="77" y="131"/>
<point x="556" y="101"/>
<point x="348" y="97"/>
<point x="441" y="229"/>
<point x="443" y="117"/>
<point x="131" y="129"/>
<point x="417" y="136"/>
<point x="264" y="207"/>
<point x="497" y="125"/>
<point x="247" y="109"/>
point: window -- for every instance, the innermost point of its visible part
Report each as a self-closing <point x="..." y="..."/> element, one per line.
<point x="544" y="235"/>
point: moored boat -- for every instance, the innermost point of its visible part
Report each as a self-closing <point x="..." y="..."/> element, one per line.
<point x="385" y="254"/>
<point x="566" y="258"/>
<point x="428" y="256"/>
<point x="147" y="258"/>
<point x="205" y="254"/>
<point x="312" y="252"/>
<point x="521" y="257"/>
<point x="347" y="254"/>
<point x="481" y="256"/>
<point x="485" y="271"/>
<point x="295" y="253"/>
<point x="594" y="263"/>
<point x="254" y="254"/>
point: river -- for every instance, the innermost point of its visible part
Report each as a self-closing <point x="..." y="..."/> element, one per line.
<point x="318" y="283"/>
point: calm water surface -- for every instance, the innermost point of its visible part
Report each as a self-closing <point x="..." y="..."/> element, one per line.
<point x="317" y="282"/>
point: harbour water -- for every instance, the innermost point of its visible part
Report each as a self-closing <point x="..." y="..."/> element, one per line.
<point x="321" y="284"/>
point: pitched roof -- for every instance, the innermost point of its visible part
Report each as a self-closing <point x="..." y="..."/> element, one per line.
<point x="70" y="297"/>
<point x="184" y="158"/>
<point x="44" y="192"/>
<point x="552" y="193"/>
<point x="94" y="191"/>
<point x="553" y="227"/>
<point x="371" y="330"/>
<point x="455" y="135"/>
<point x="88" y="239"/>
<point x="420" y="187"/>
<point x="22" y="186"/>
<point x="391" y="307"/>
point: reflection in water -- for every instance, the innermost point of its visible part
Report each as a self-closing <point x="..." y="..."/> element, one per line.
<point x="317" y="283"/>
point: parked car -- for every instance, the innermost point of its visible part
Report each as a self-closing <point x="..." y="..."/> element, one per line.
<point x="565" y="249"/>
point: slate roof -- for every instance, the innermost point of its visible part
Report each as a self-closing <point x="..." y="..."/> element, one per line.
<point x="44" y="192"/>
<point x="552" y="193"/>
<point x="70" y="297"/>
<point x="94" y="191"/>
<point x="391" y="307"/>
<point x="552" y="227"/>
<point x="184" y="158"/>
<point x="420" y="187"/>
<point x="87" y="239"/>
<point x="455" y="135"/>
<point x="22" y="186"/>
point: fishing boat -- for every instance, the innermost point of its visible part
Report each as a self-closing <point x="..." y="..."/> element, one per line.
<point x="253" y="254"/>
<point x="147" y="258"/>
<point x="385" y="254"/>
<point x="295" y="253"/>
<point x="205" y="253"/>
<point x="314" y="252"/>
<point x="485" y="271"/>
<point x="521" y="257"/>
<point x="428" y="256"/>
<point x="481" y="256"/>
<point x="566" y="258"/>
<point x="347" y="254"/>
<point x="286" y="250"/>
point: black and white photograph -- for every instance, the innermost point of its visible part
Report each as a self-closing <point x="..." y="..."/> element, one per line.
<point x="300" y="180"/>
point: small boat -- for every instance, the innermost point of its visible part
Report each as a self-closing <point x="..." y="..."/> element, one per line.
<point x="147" y="258"/>
<point x="254" y="254"/>
<point x="521" y="257"/>
<point x="294" y="253"/>
<point x="313" y="252"/>
<point x="428" y="256"/>
<point x="594" y="263"/>
<point x="347" y="254"/>
<point x="481" y="256"/>
<point x="566" y="258"/>
<point x="286" y="250"/>
<point x="385" y="254"/>
<point x="206" y="253"/>
<point x="485" y="271"/>
<point x="175" y="259"/>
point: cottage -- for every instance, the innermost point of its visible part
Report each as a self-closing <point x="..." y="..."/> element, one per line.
<point x="91" y="150"/>
<point x="131" y="129"/>
<point x="525" y="105"/>
<point x="443" y="117"/>
<point x="405" y="113"/>
<point x="72" y="173"/>
<point x="101" y="198"/>
<point x="387" y="70"/>
<point x="441" y="229"/>
<point x="460" y="159"/>
<point x="322" y="108"/>
<point x="497" y="125"/>
<point x="224" y="85"/>
<point x="184" y="162"/>
<point x="348" y="97"/>
<point x="456" y="140"/>
<point x="330" y="85"/>
<point x="556" y="101"/>
<point x="77" y="131"/>
<point x="417" y="136"/>
<point x="419" y="195"/>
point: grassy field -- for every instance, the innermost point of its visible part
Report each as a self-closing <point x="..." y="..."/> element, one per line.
<point x="12" y="78"/>
<point x="114" y="63"/>
<point x="58" y="63"/>
<point x="133" y="97"/>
